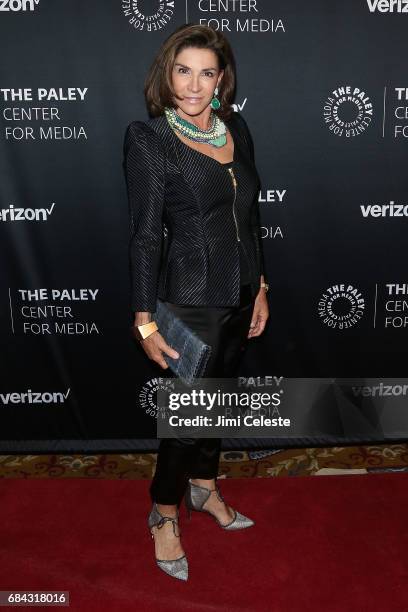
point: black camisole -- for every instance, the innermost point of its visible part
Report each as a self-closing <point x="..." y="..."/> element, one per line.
<point x="245" y="277"/>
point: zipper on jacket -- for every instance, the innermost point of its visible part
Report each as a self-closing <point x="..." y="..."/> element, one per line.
<point x="234" y="182"/>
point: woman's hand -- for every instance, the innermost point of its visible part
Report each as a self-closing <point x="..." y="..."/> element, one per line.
<point x="260" y="314"/>
<point x="155" y="345"/>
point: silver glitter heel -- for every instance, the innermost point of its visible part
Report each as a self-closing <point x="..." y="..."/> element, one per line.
<point x="195" y="498"/>
<point x="178" y="568"/>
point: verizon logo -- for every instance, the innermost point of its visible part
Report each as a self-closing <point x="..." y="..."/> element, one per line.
<point x="34" y="397"/>
<point x="384" y="210"/>
<point x="18" y="5"/>
<point x="25" y="214"/>
<point x="388" y="6"/>
<point x="380" y="390"/>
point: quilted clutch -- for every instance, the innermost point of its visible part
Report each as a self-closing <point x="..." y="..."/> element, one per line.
<point x="193" y="352"/>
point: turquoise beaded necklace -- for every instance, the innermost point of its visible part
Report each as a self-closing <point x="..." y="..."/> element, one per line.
<point x="215" y="135"/>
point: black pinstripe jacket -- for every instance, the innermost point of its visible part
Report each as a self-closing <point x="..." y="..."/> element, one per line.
<point x="186" y="217"/>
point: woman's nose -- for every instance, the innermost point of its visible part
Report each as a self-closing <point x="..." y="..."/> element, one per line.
<point x="194" y="84"/>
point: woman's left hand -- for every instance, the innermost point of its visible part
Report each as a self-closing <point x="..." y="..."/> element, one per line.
<point x="260" y="314"/>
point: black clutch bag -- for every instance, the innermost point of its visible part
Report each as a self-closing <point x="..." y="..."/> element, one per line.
<point x="193" y="352"/>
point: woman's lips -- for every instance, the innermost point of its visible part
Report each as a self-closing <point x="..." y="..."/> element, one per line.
<point x="192" y="100"/>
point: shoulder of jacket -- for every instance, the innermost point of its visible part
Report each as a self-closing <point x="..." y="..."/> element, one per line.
<point x="140" y="128"/>
<point x="142" y="133"/>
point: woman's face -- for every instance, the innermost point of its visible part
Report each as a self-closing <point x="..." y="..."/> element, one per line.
<point x="195" y="76"/>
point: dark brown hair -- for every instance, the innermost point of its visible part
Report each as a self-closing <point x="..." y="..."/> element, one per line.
<point x="158" y="89"/>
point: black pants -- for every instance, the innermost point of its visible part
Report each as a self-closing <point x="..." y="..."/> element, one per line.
<point x="226" y="330"/>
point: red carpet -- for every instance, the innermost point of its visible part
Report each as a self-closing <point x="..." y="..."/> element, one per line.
<point x="332" y="543"/>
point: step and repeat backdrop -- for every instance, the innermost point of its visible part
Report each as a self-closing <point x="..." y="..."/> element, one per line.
<point x="323" y="87"/>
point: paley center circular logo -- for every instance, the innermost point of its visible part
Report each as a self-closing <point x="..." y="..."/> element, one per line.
<point x="159" y="14"/>
<point x="348" y="111"/>
<point x="148" y="394"/>
<point x="341" y="306"/>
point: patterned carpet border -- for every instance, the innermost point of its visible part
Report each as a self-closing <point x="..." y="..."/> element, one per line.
<point x="233" y="464"/>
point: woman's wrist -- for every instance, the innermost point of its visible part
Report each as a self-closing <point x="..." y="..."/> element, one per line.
<point x="142" y="317"/>
<point x="263" y="284"/>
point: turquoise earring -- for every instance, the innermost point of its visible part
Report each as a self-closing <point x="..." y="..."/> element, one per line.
<point x="215" y="103"/>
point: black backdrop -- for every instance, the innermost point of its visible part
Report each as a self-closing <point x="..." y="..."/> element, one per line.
<point x="324" y="90"/>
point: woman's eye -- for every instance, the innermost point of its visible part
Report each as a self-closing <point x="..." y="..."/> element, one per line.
<point x="184" y="70"/>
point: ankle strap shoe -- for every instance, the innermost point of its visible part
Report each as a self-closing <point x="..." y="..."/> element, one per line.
<point x="195" y="498"/>
<point x="177" y="568"/>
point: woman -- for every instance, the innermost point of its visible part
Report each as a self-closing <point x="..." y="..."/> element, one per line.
<point x="195" y="244"/>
